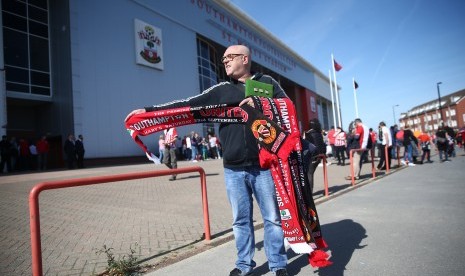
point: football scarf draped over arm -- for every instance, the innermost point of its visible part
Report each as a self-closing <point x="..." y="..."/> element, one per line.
<point x="275" y="127"/>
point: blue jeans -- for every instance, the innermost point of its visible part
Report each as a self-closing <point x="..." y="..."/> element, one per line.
<point x="241" y="183"/>
<point x="194" y="153"/>
<point x="408" y="153"/>
<point x="160" y="152"/>
<point x="445" y="155"/>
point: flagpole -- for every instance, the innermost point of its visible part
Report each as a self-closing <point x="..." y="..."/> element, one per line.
<point x="355" y="98"/>
<point x="336" y="92"/>
<point x="332" y="98"/>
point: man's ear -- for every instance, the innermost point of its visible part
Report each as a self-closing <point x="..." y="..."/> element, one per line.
<point x="245" y="59"/>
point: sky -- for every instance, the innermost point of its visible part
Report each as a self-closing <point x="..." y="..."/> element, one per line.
<point x="396" y="50"/>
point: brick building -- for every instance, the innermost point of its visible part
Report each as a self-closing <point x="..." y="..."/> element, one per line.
<point x="427" y="117"/>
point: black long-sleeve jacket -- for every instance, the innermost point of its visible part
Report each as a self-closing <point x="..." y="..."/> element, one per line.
<point x="239" y="145"/>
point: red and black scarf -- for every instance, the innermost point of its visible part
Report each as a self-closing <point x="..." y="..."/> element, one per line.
<point x="275" y="126"/>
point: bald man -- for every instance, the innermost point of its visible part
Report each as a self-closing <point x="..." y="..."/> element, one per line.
<point x="243" y="175"/>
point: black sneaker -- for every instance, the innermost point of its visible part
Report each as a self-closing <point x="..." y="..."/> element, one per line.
<point x="237" y="272"/>
<point x="281" y="272"/>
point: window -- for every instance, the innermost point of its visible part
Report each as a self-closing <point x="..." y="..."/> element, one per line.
<point x="26" y="46"/>
<point x="207" y="60"/>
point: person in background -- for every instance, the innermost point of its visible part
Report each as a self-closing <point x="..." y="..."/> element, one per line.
<point x="14" y="153"/>
<point x="80" y="151"/>
<point x="340" y="144"/>
<point x="372" y="137"/>
<point x="426" y="149"/>
<point x="331" y="141"/>
<point x="361" y="134"/>
<point x="442" y="144"/>
<point x="34" y="154"/>
<point x="386" y="142"/>
<point x="213" y="149"/>
<point x="169" y="155"/>
<point x="24" y="160"/>
<point x="161" y="146"/>
<point x="352" y="142"/>
<point x="204" y="148"/>
<point x="315" y="137"/>
<point x="194" y="142"/>
<point x="5" y="154"/>
<point x="188" y="153"/>
<point x="218" y="148"/>
<point x="70" y="151"/>
<point x="242" y="172"/>
<point x="409" y="142"/>
<point x="395" y="143"/>
<point x="42" y="152"/>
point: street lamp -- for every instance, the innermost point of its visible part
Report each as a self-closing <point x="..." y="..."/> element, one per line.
<point x="394" y="113"/>
<point x="439" y="99"/>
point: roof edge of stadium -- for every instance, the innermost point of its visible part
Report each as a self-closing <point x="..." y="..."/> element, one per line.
<point x="245" y="17"/>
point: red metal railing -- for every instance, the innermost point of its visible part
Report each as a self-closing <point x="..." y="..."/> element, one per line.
<point x="34" y="202"/>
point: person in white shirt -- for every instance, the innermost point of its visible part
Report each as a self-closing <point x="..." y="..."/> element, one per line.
<point x="212" y="142"/>
<point x="188" y="153"/>
<point x="386" y="141"/>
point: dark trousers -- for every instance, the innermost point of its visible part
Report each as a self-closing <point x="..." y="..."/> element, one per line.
<point x="427" y="154"/>
<point x="340" y="154"/>
<point x="169" y="157"/>
<point x="80" y="160"/>
<point x="6" y="160"/>
<point x="382" y="157"/>
<point x="71" y="158"/>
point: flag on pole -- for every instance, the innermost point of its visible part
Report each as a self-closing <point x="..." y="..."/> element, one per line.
<point x="355" y="84"/>
<point x="337" y="66"/>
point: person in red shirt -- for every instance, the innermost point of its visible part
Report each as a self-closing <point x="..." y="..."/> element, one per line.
<point x="42" y="153"/>
<point x="332" y="140"/>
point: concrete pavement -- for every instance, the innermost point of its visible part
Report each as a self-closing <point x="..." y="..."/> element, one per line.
<point x="164" y="218"/>
<point x="409" y="223"/>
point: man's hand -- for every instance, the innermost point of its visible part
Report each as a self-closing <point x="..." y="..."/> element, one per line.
<point x="248" y="101"/>
<point x="134" y="112"/>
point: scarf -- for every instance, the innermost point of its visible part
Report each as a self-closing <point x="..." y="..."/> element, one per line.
<point x="275" y="127"/>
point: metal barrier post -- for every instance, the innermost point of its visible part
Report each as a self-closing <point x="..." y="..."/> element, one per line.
<point x="325" y="174"/>
<point x="351" y="153"/>
<point x="34" y="213"/>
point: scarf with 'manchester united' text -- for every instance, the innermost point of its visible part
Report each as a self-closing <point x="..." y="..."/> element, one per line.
<point x="274" y="125"/>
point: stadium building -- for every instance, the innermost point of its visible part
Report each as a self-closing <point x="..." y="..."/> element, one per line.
<point x="80" y="66"/>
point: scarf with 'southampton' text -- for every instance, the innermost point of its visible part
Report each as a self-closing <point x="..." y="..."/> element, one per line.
<point x="274" y="124"/>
